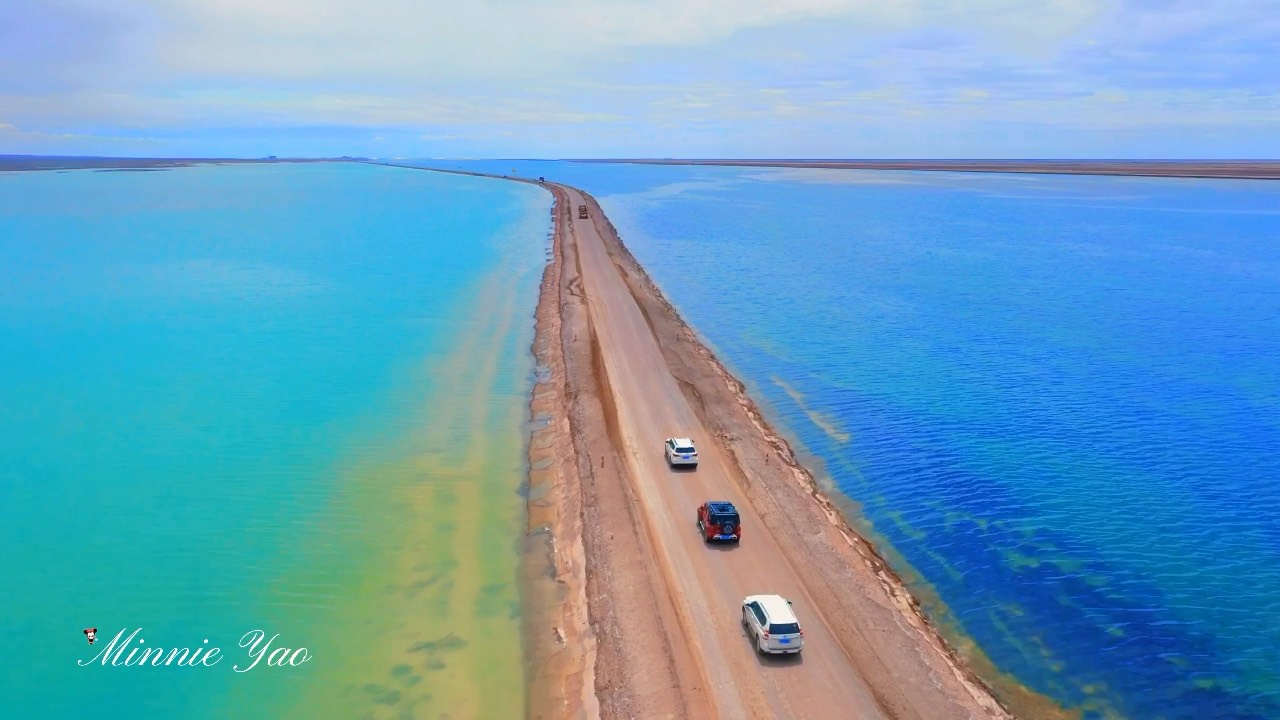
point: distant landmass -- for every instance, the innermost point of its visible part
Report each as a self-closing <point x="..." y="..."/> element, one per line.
<point x="1239" y="169"/>
<point x="74" y="162"/>
<point x="1242" y="169"/>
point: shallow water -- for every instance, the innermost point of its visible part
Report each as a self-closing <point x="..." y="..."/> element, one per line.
<point x="279" y="397"/>
<point x="1056" y="398"/>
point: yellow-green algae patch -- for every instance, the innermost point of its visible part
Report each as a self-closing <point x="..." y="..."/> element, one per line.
<point x="822" y="420"/>
<point x="426" y="622"/>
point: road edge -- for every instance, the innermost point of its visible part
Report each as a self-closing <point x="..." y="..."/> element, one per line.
<point x="589" y="576"/>
<point x="766" y="484"/>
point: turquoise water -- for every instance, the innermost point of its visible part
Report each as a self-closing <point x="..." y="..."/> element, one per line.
<point x="218" y="413"/>
<point x="1057" y="398"/>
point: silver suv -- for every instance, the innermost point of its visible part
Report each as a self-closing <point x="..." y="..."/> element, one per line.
<point x="680" y="451"/>
<point x="772" y="624"/>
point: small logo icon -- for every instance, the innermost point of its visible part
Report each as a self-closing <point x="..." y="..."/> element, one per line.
<point x="91" y="633"/>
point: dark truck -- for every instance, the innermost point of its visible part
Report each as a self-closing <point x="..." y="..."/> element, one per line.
<point x="718" y="520"/>
<point x="582" y="212"/>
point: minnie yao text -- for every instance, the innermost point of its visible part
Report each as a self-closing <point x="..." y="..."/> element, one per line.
<point x="255" y="642"/>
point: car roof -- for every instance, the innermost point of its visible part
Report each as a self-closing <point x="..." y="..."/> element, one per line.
<point x="775" y="606"/>
<point x="721" y="506"/>
<point x="681" y="441"/>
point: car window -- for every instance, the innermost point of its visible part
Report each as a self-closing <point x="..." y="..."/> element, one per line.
<point x="725" y="518"/>
<point x="784" y="629"/>
<point x="755" y="609"/>
<point x="685" y="449"/>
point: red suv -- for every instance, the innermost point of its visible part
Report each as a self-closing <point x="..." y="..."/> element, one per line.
<point x="718" y="520"/>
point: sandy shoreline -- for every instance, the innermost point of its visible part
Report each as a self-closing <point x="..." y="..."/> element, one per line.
<point x="1235" y="170"/>
<point x="559" y="645"/>
<point x="589" y="652"/>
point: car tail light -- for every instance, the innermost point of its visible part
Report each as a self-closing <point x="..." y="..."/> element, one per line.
<point x="765" y="634"/>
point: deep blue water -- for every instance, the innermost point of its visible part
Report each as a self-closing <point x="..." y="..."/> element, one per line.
<point x="1056" y="398"/>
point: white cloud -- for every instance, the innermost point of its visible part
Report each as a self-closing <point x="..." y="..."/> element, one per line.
<point x="19" y="140"/>
<point x="670" y="73"/>
<point x="390" y="42"/>
<point x="397" y="40"/>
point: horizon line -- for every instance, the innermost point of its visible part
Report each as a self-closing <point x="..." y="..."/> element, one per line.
<point x="30" y="156"/>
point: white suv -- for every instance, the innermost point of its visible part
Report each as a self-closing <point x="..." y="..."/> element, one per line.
<point x="771" y="623"/>
<point x="680" y="451"/>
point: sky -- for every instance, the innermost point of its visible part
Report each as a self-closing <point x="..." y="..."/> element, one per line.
<point x="642" y="78"/>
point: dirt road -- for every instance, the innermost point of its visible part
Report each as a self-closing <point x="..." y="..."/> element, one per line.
<point x="629" y="613"/>
<point x="708" y="582"/>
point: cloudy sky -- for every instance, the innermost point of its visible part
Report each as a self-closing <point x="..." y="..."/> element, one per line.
<point x="642" y="78"/>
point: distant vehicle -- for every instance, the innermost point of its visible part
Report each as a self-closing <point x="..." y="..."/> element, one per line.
<point x="719" y="520"/>
<point x="541" y="179"/>
<point x="582" y="211"/>
<point x="772" y="624"/>
<point x="680" y="451"/>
